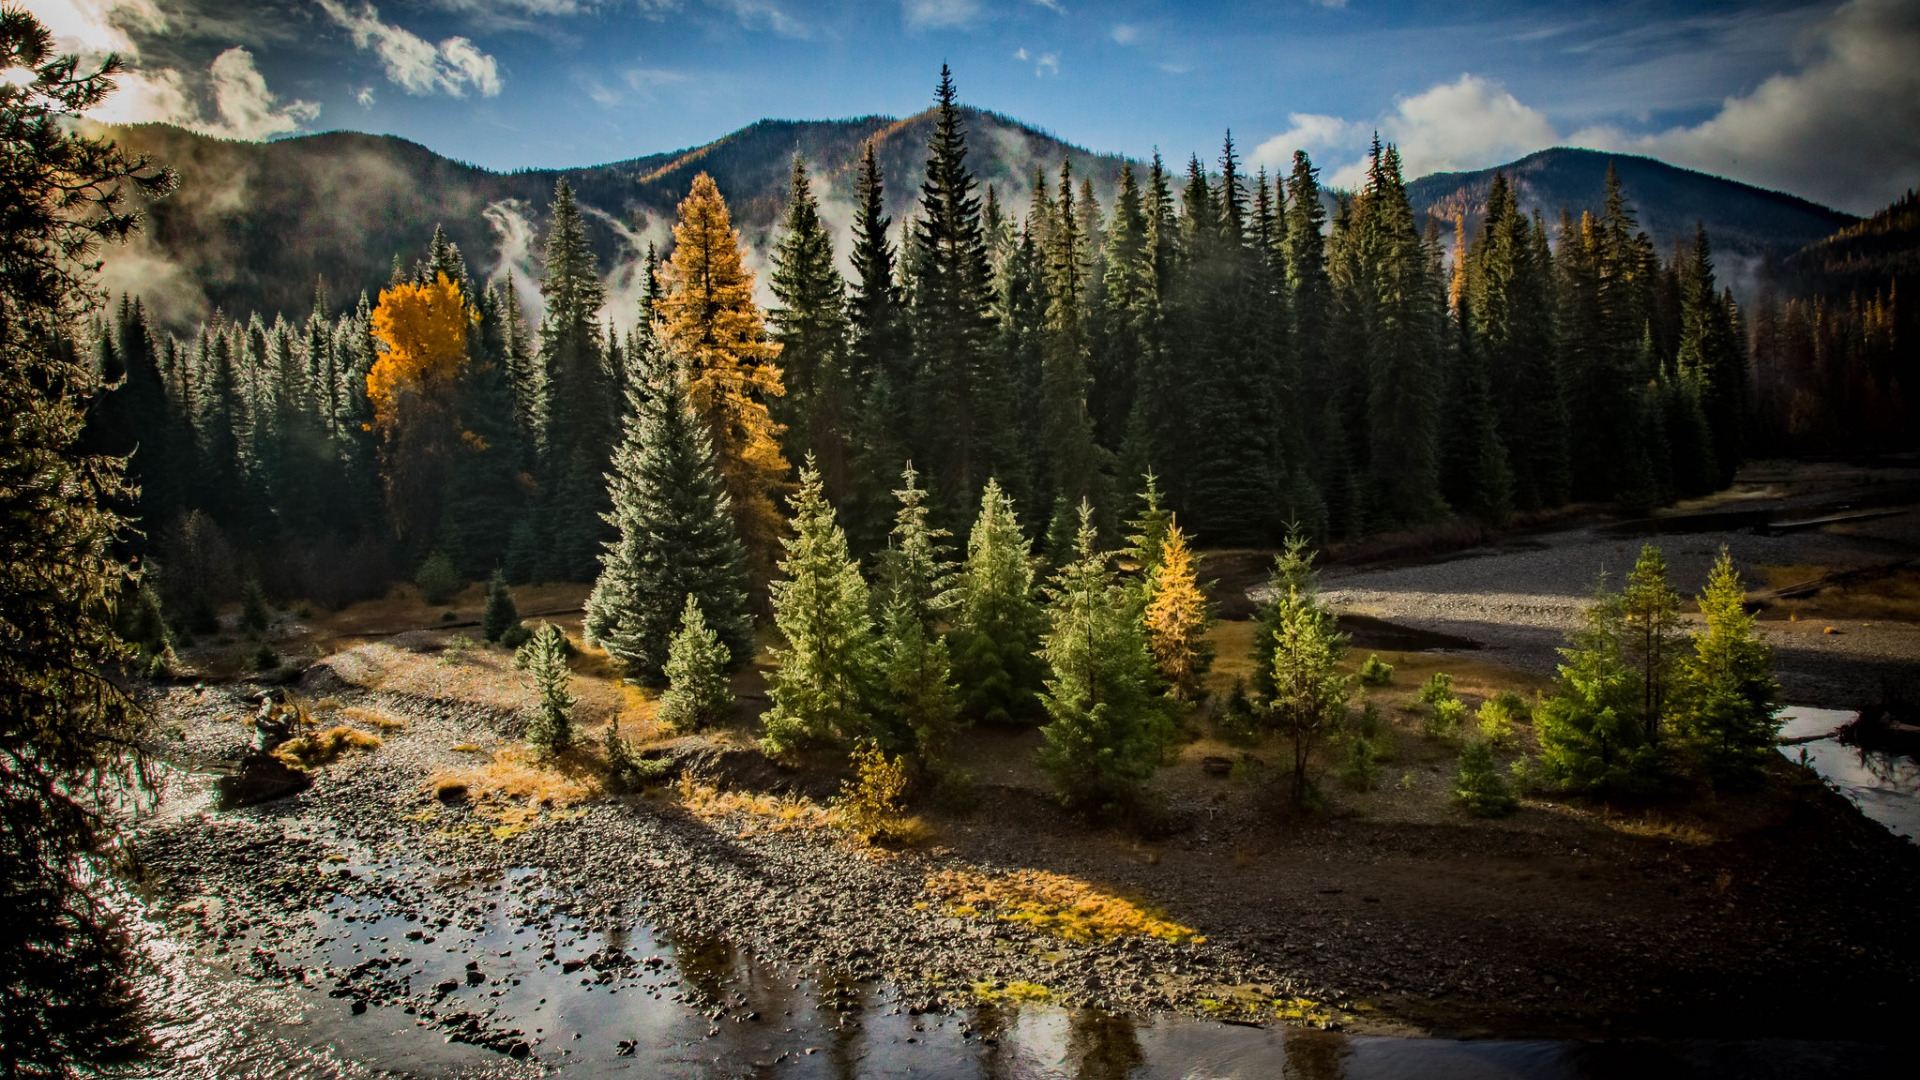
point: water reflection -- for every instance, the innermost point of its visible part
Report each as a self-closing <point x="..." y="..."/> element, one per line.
<point x="1886" y="787"/>
<point x="1102" y="1046"/>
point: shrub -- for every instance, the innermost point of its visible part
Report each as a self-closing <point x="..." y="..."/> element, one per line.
<point x="501" y="615"/>
<point x="438" y="578"/>
<point x="1497" y="716"/>
<point x="870" y="798"/>
<point x="1526" y="775"/>
<point x="1362" y="769"/>
<point x="628" y="770"/>
<point x="551" y="729"/>
<point x="1480" y="787"/>
<point x="1236" y="720"/>
<point x="1376" y="672"/>
<point x="1368" y="723"/>
<point x="265" y="659"/>
<point x="1438" y="687"/>
<point x="515" y="637"/>
<point x="457" y="648"/>
<point x="1444" y="717"/>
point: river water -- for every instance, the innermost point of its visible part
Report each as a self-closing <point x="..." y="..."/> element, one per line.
<point x="702" y="1008"/>
<point x="1886" y="787"/>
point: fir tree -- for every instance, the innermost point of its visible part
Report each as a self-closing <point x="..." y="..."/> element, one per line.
<point x="950" y="295"/>
<point x="1105" y="732"/>
<point x="1309" y="698"/>
<point x="1592" y="736"/>
<point x="880" y="358"/>
<point x="1073" y="462"/>
<point x="1653" y="639"/>
<point x="1728" y="702"/>
<point x="1177" y="618"/>
<point x="1480" y="787"/>
<point x="710" y="323"/>
<point x="916" y="590"/>
<point x="995" y="629"/>
<point x="500" y="615"/>
<point x="550" y="729"/>
<point x="1293" y="574"/>
<point x="697" y="692"/>
<point x="577" y="406"/>
<point x="1148" y="540"/>
<point x="1709" y="358"/>
<point x="1403" y="387"/>
<point x="675" y="539"/>
<point x="810" y="324"/>
<point x="821" y="682"/>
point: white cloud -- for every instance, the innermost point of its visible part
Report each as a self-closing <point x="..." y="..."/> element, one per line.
<point x="1844" y="129"/>
<point x="365" y="97"/>
<point x="936" y="14"/>
<point x="413" y="63"/>
<point x="1124" y="33"/>
<point x="765" y="14"/>
<point x="1337" y="5"/>
<point x="1048" y="64"/>
<point x="1052" y="5"/>
<point x="248" y="110"/>
<point x="1470" y="123"/>
<point x="90" y="27"/>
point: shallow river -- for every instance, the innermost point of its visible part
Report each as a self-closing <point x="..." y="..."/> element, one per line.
<point x="702" y="1008"/>
<point x="1886" y="787"/>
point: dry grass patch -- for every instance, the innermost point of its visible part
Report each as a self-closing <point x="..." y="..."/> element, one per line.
<point x="1654" y="828"/>
<point x="772" y="813"/>
<point x="515" y="788"/>
<point x="321" y="747"/>
<point x="1057" y="904"/>
<point x="372" y="718"/>
<point x="993" y="994"/>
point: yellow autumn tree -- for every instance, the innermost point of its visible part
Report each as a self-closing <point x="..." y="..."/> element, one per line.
<point x="422" y="336"/>
<point x="1177" y="619"/>
<point x="708" y="320"/>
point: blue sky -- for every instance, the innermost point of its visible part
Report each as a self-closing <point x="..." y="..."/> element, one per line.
<point x="1822" y="100"/>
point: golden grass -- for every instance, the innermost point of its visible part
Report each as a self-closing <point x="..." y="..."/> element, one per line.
<point x="515" y="788"/>
<point x="372" y="718"/>
<point x="320" y="747"/>
<point x="771" y="813"/>
<point x="1654" y="828"/>
<point x="1888" y="597"/>
<point x="1054" y="903"/>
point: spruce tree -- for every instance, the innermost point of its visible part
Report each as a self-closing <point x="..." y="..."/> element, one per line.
<point x="880" y="359"/>
<point x="920" y="702"/>
<point x="550" y="728"/>
<point x="501" y="615"/>
<point x="577" y="406"/>
<point x="1073" y="463"/>
<point x="1727" y="700"/>
<point x="1653" y="639"/>
<point x="697" y="693"/>
<point x="1105" y="731"/>
<point x="1404" y="336"/>
<point x="821" y="685"/>
<point x="950" y="296"/>
<point x="1293" y="575"/>
<point x="675" y="539"/>
<point x="1710" y="359"/>
<point x="810" y="323"/>
<point x="1592" y="735"/>
<point x="996" y="626"/>
<point x="1309" y="697"/>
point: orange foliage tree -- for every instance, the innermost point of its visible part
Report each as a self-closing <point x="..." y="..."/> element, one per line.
<point x="708" y="320"/>
<point x="422" y="333"/>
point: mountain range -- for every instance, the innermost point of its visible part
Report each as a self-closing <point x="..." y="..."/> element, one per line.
<point x="253" y="226"/>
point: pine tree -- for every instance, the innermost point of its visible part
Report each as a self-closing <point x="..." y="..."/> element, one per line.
<point x="916" y="589"/>
<point x="675" y="539"/>
<point x="1293" y="574"/>
<point x="1105" y="732"/>
<point x="1073" y="462"/>
<point x="1148" y="540"/>
<point x="1126" y="315"/>
<point x="821" y="682"/>
<point x="810" y="324"/>
<point x="1652" y="641"/>
<point x="697" y="692"/>
<point x="710" y="323"/>
<point x="950" y="296"/>
<point x="1710" y="359"/>
<point x="1727" y="700"/>
<point x="483" y="494"/>
<point x="880" y="359"/>
<point x="577" y="406"/>
<point x="69" y="736"/>
<point x="550" y="729"/>
<point x="500" y="616"/>
<point x="1177" y="619"/>
<point x="995" y="630"/>
<point x="1309" y="698"/>
<point x="1592" y="737"/>
<point x="1480" y="787"/>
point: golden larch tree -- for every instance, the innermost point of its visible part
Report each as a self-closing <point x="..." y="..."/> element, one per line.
<point x="1177" y="618"/>
<point x="708" y="320"/>
<point x="422" y="334"/>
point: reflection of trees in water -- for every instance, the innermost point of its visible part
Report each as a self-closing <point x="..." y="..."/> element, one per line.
<point x="991" y="1025"/>
<point x="1896" y="771"/>
<point x="706" y="962"/>
<point x="1314" y="1055"/>
<point x="835" y="992"/>
<point x="1101" y="1046"/>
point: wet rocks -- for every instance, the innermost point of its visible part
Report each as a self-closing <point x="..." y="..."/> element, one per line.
<point x="260" y="777"/>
